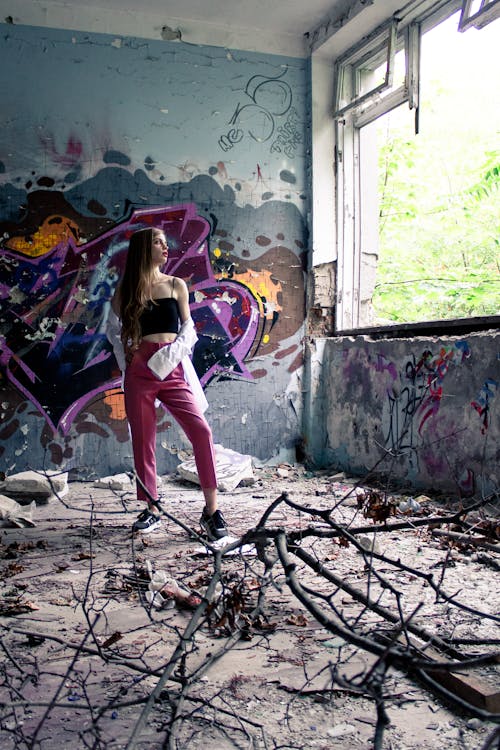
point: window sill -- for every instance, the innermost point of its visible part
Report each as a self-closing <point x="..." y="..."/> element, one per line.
<point x="455" y="327"/>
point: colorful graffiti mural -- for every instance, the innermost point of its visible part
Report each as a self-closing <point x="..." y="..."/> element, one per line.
<point x="55" y="303"/>
<point x="61" y="255"/>
<point x="77" y="178"/>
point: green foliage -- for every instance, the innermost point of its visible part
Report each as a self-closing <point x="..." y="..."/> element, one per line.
<point x="438" y="230"/>
<point x="438" y="191"/>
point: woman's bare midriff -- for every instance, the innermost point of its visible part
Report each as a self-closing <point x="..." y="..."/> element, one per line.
<point x="160" y="338"/>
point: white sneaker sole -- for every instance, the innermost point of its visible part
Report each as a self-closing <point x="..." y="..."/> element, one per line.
<point x="209" y="534"/>
<point x="148" y="529"/>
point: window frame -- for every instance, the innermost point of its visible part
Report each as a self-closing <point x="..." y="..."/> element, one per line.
<point x="349" y="66"/>
<point x="349" y="118"/>
<point x="488" y="11"/>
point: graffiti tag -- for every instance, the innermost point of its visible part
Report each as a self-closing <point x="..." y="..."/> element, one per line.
<point x="267" y="98"/>
<point x="482" y="403"/>
<point x="420" y="399"/>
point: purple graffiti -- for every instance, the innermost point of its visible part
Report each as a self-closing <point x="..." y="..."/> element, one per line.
<point x="431" y="371"/>
<point x="421" y="398"/>
<point x="383" y="365"/>
<point x="53" y="311"/>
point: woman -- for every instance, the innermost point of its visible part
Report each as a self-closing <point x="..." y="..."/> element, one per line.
<point x="153" y="346"/>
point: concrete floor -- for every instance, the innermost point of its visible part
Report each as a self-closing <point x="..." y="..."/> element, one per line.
<point x="77" y="633"/>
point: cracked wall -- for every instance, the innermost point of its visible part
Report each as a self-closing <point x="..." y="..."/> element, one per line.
<point x="321" y="285"/>
<point x="102" y="134"/>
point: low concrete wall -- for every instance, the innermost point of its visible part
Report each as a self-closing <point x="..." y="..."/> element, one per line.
<point x="424" y="411"/>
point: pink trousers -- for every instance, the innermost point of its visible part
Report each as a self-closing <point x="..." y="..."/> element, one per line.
<point x="142" y="388"/>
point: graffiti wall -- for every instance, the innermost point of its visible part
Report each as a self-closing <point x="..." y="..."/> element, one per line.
<point x="422" y="411"/>
<point x="101" y="136"/>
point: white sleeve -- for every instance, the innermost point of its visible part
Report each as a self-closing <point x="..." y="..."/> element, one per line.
<point x="168" y="357"/>
<point x="112" y="331"/>
<point x="193" y="380"/>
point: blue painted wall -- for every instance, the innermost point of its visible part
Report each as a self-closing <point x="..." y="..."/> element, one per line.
<point x="101" y="134"/>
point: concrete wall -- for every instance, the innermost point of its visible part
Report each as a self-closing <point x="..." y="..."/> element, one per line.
<point x="101" y="134"/>
<point x="423" y="411"/>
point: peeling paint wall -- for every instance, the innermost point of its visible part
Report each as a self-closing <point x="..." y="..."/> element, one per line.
<point x="423" y="411"/>
<point x="320" y="298"/>
<point x="100" y="135"/>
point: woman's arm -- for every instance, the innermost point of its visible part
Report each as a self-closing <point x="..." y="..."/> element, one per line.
<point x="182" y="297"/>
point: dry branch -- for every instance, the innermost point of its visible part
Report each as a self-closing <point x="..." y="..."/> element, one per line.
<point x="293" y="572"/>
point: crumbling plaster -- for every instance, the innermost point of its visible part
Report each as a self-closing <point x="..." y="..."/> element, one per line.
<point x="321" y="300"/>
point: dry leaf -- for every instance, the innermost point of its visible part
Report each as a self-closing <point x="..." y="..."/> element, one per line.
<point x="83" y="556"/>
<point x="299" y="620"/>
<point x="112" y="639"/>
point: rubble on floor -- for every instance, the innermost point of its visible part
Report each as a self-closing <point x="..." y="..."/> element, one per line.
<point x="233" y="469"/>
<point x="15" y="514"/>
<point x="40" y="486"/>
<point x="76" y="616"/>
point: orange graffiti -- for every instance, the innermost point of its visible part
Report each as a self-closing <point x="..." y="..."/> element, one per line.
<point x="54" y="230"/>
<point x="262" y="286"/>
<point x="115" y="401"/>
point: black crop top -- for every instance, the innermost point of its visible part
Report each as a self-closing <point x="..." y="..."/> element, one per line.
<point x="160" y="316"/>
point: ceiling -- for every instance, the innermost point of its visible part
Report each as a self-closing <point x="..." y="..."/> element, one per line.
<point x="294" y="17"/>
<point x="283" y="27"/>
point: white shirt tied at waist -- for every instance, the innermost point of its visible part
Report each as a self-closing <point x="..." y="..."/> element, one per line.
<point x="165" y="359"/>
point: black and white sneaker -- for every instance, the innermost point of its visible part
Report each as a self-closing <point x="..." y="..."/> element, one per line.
<point x="146" y="522"/>
<point x="214" y="525"/>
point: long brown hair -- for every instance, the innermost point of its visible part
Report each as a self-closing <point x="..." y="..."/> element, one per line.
<point x="135" y="286"/>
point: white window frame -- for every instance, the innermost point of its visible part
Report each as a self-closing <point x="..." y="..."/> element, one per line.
<point x="356" y="240"/>
<point x="348" y="69"/>
<point x="350" y="116"/>
<point x="478" y="13"/>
